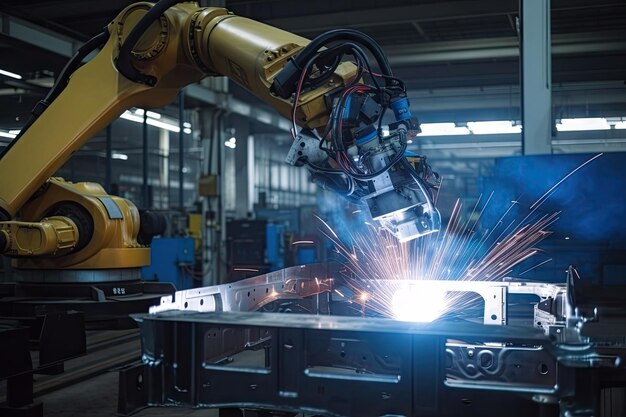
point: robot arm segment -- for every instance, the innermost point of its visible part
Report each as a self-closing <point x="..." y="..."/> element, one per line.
<point x="149" y="52"/>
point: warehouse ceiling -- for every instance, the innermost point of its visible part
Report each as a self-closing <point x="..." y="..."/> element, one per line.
<point x="470" y="46"/>
<point x="460" y="59"/>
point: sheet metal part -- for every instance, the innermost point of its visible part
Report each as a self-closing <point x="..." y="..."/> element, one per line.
<point x="221" y="353"/>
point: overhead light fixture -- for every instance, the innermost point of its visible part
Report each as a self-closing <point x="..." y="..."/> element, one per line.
<point x="583" y="123"/>
<point x="152" y="122"/>
<point x="186" y="124"/>
<point x="442" y="129"/>
<point x="493" y="127"/>
<point x="129" y="116"/>
<point x="121" y="156"/>
<point x="231" y="143"/>
<point x="620" y="125"/>
<point x="7" y="135"/>
<point x="154" y="115"/>
<point x="10" y="74"/>
<point x="163" y="125"/>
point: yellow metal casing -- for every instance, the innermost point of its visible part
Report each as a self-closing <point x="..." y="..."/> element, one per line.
<point x="113" y="243"/>
<point x="183" y="46"/>
<point x="51" y="236"/>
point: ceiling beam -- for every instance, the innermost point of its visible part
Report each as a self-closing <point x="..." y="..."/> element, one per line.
<point x="432" y="11"/>
<point x="503" y="47"/>
<point x="384" y="16"/>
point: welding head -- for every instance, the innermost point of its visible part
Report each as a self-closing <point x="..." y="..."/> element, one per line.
<point x="406" y="209"/>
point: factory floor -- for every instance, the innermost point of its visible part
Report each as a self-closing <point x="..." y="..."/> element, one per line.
<point x="89" y="384"/>
<point x="97" y="397"/>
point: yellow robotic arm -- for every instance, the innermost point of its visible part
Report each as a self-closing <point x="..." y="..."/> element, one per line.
<point x="148" y="53"/>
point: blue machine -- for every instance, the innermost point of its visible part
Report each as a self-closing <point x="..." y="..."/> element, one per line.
<point x="275" y="246"/>
<point x="171" y="260"/>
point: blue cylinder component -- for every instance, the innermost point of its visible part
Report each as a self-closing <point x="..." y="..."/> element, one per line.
<point x="364" y="139"/>
<point x="400" y="107"/>
<point x="346" y="110"/>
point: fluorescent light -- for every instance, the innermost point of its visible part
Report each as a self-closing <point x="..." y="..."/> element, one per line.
<point x="129" y="116"/>
<point x="229" y="144"/>
<point x="233" y="140"/>
<point x="583" y="123"/>
<point x="152" y="122"/>
<point x="7" y="135"/>
<point x="620" y="125"/>
<point x="121" y="156"/>
<point x="163" y="125"/>
<point x="154" y="115"/>
<point x="493" y="127"/>
<point x="15" y="132"/>
<point x="187" y="130"/>
<point x="442" y="129"/>
<point x="186" y="124"/>
<point x="10" y="74"/>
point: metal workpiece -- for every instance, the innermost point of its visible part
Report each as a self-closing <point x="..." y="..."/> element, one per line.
<point x="236" y="346"/>
<point x="254" y="293"/>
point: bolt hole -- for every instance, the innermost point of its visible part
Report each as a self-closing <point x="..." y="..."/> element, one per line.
<point x="342" y="354"/>
<point x="494" y="317"/>
<point x="543" y="368"/>
<point x="466" y="401"/>
<point x="248" y="293"/>
<point x="186" y="304"/>
<point x="139" y="385"/>
<point x="364" y="358"/>
<point x="202" y="302"/>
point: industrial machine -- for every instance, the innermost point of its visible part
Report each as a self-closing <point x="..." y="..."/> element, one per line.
<point x="318" y="339"/>
<point x="76" y="247"/>
<point x="208" y="347"/>
<point x="148" y="53"/>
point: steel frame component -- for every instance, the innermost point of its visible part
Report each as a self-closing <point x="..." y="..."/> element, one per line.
<point x="208" y="348"/>
<point x="314" y="280"/>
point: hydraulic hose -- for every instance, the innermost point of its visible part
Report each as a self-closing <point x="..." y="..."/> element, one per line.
<point x="284" y="83"/>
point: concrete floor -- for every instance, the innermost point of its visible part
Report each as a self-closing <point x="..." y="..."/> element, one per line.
<point x="97" y="397"/>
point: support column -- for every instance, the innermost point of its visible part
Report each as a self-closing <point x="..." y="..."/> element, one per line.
<point x="181" y="151"/>
<point x="536" y="77"/>
<point x="244" y="168"/>
<point x="144" y="187"/>
<point x="212" y="144"/>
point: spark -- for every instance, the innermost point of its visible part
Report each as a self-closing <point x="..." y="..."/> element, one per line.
<point x="536" y="266"/>
<point x="544" y="197"/>
<point x="246" y="269"/>
<point x="340" y="293"/>
<point x="303" y="242"/>
<point x="460" y="251"/>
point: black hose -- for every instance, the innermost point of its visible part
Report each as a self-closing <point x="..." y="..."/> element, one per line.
<point x="72" y="65"/>
<point x="124" y="60"/>
<point x="284" y="83"/>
